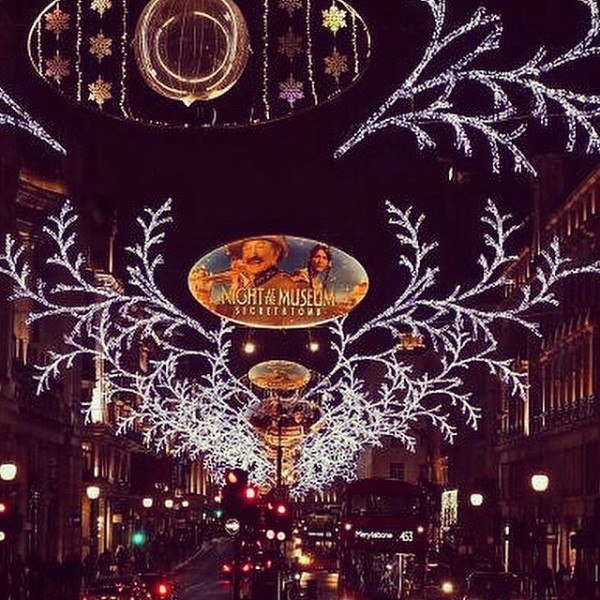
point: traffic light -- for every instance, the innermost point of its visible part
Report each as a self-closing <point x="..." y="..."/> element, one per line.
<point x="138" y="538"/>
<point x="239" y="498"/>
<point x="278" y="521"/>
<point x="10" y="522"/>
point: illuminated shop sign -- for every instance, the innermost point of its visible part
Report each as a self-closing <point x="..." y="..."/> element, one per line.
<point x="278" y="281"/>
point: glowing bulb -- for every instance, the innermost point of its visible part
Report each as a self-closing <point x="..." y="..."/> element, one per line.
<point x="313" y="346"/>
<point x="249" y="347"/>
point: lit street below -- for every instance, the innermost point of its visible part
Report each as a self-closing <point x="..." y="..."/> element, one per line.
<point x="198" y="578"/>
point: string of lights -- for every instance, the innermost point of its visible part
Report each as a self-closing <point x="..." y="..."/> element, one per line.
<point x="22" y="119"/>
<point x="369" y="393"/>
<point x="430" y="96"/>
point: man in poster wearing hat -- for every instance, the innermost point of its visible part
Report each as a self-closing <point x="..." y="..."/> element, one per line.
<point x="254" y="264"/>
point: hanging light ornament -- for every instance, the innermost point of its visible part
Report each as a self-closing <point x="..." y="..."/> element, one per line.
<point x="191" y="50"/>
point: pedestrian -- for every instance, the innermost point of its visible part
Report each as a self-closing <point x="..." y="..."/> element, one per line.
<point x="34" y="579"/>
<point x="580" y="578"/>
<point x="16" y="586"/>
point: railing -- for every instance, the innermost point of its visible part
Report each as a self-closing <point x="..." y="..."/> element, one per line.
<point x="562" y="418"/>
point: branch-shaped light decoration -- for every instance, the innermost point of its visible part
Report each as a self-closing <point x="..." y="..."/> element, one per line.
<point x="20" y="118"/>
<point x="430" y="94"/>
<point x="370" y="392"/>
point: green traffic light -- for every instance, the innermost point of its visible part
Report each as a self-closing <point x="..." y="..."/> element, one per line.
<point x="138" y="538"/>
<point x="218" y="513"/>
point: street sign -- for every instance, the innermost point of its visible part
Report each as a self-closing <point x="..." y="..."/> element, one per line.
<point x="232" y="526"/>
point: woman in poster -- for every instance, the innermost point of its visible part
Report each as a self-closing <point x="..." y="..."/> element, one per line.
<point x="316" y="272"/>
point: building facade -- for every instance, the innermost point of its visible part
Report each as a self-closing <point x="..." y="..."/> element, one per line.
<point x="80" y="490"/>
<point x="555" y="431"/>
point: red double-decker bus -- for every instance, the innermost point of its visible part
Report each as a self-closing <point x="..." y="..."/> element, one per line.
<point x="384" y="539"/>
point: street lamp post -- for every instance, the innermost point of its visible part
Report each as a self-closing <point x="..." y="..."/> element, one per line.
<point x="539" y="484"/>
<point x="476" y="501"/>
<point x="93" y="493"/>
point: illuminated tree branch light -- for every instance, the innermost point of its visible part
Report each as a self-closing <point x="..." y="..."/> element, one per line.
<point x="429" y="96"/>
<point x="20" y="118"/>
<point x="369" y="392"/>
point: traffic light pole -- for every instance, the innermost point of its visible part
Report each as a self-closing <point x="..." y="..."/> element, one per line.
<point x="236" y="567"/>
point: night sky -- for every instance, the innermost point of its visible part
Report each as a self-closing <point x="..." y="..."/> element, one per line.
<point x="282" y="177"/>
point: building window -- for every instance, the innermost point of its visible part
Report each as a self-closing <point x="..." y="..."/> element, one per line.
<point x="397" y="471"/>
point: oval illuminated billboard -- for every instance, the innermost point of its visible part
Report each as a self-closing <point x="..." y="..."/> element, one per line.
<point x="279" y="375"/>
<point x="278" y="281"/>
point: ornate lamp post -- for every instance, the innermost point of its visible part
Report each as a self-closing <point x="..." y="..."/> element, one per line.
<point x="93" y="493"/>
<point x="539" y="484"/>
<point x="476" y="502"/>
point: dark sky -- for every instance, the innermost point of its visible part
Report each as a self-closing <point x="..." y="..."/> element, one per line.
<point x="282" y="177"/>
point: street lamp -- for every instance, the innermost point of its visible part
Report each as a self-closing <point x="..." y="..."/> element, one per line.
<point x="8" y="471"/>
<point x="93" y="493"/>
<point x="147" y="502"/>
<point x="476" y="499"/>
<point x="539" y="484"/>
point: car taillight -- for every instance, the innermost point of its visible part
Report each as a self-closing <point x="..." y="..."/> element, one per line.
<point x="226" y="569"/>
<point x="246" y="568"/>
<point x="163" y="590"/>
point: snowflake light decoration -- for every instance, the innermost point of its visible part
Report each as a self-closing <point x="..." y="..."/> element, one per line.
<point x="290" y="5"/>
<point x="101" y="6"/>
<point x="57" y="67"/>
<point x="100" y="46"/>
<point x="334" y="19"/>
<point x="57" y="21"/>
<point x="336" y="64"/>
<point x="100" y="91"/>
<point x="291" y="90"/>
<point x="208" y="413"/>
<point x="20" y="118"/>
<point x="430" y="96"/>
<point x="290" y="44"/>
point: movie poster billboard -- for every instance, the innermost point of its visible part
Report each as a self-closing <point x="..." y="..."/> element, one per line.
<point x="279" y="375"/>
<point x="278" y="281"/>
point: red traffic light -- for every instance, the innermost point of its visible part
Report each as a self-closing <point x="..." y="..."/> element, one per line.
<point x="3" y="507"/>
<point x="250" y="493"/>
<point x="281" y="509"/>
<point x="163" y="589"/>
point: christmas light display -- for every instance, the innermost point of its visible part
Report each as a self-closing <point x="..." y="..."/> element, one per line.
<point x="19" y="117"/>
<point x="186" y="399"/>
<point x="430" y="94"/>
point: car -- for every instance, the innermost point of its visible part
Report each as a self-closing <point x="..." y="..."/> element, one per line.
<point x="440" y="583"/>
<point x="108" y="588"/>
<point x="154" y="586"/>
<point x="493" y="585"/>
<point x="245" y="569"/>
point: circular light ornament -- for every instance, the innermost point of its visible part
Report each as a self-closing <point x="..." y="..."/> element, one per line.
<point x="191" y="50"/>
<point x="279" y="375"/>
